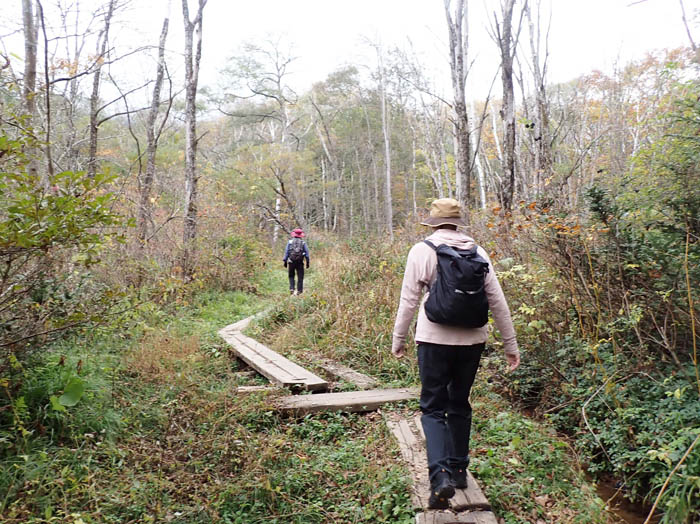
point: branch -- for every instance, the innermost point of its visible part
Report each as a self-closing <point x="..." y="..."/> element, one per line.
<point x="687" y="29"/>
<point x="91" y="70"/>
<point x="120" y="113"/>
<point x="668" y="479"/>
<point x="121" y="95"/>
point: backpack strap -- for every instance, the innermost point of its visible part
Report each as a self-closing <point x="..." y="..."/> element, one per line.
<point x="430" y="244"/>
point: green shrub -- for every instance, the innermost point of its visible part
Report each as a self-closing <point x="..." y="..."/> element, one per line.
<point x="51" y="233"/>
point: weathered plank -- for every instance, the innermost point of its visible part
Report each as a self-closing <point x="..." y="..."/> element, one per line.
<point x="472" y="497"/>
<point x="341" y="371"/>
<point x="243" y="323"/>
<point x="271" y="364"/>
<point x="447" y="517"/>
<point x="246" y="374"/>
<point x="254" y="389"/>
<point x="412" y="453"/>
<point x="345" y="401"/>
<point x="419" y="427"/>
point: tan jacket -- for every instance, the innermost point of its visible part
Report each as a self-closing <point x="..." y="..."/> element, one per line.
<point x="420" y="272"/>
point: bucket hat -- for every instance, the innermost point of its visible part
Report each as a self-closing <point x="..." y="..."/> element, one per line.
<point x="444" y="211"/>
<point x="298" y="233"/>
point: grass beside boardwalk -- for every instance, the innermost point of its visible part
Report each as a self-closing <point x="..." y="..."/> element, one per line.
<point x="159" y="437"/>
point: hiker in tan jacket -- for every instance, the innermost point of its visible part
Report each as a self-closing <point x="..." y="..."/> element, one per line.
<point x="448" y="355"/>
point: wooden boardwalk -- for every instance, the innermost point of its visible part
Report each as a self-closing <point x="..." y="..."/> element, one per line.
<point x="342" y="372"/>
<point x="285" y="373"/>
<point x="468" y="505"/>
<point x="278" y="369"/>
<point x="351" y="401"/>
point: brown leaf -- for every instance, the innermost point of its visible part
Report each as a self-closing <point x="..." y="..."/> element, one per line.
<point x="542" y="500"/>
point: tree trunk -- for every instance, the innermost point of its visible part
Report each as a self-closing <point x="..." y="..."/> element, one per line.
<point x="543" y="151"/>
<point x="152" y="142"/>
<point x="31" y="34"/>
<point x="192" y="60"/>
<point x="102" y="41"/>
<point x="388" y="208"/>
<point x="459" y="40"/>
<point x="505" y="40"/>
<point x="477" y="164"/>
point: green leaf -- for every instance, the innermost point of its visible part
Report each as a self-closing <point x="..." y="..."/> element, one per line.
<point x="73" y="392"/>
<point x="55" y="404"/>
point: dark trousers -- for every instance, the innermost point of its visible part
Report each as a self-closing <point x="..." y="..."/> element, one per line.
<point x="447" y="374"/>
<point x="299" y="268"/>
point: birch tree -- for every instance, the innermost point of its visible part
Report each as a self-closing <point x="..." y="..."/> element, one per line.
<point x="388" y="208"/>
<point x="152" y="136"/>
<point x="542" y="140"/>
<point x="101" y="53"/>
<point x="31" y="28"/>
<point x="193" y="56"/>
<point x="507" y="45"/>
<point x="459" y="44"/>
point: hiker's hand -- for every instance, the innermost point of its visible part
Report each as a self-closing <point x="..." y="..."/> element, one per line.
<point x="513" y="361"/>
<point x="398" y="349"/>
<point x="307" y="265"/>
<point x="285" y="263"/>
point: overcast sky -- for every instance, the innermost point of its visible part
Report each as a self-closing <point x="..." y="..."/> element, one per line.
<point x="325" y="34"/>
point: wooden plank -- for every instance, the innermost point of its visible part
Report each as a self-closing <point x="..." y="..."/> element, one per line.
<point x="419" y="427"/>
<point x="246" y="374"/>
<point x="243" y="323"/>
<point x="270" y="364"/>
<point x="446" y="517"/>
<point x="471" y="498"/>
<point x="414" y="455"/>
<point x="475" y="498"/>
<point x="459" y="502"/>
<point x="404" y="446"/>
<point x="413" y="452"/>
<point x="254" y="389"/>
<point x="346" y="401"/>
<point x="485" y="517"/>
<point x="343" y="372"/>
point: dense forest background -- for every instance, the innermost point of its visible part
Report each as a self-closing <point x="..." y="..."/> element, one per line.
<point x="135" y="221"/>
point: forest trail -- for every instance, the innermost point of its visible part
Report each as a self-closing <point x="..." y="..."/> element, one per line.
<point x="468" y="506"/>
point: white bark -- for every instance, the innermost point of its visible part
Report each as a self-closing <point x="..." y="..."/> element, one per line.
<point x="31" y="35"/>
<point x="193" y="56"/>
<point x="101" y="53"/>
<point x="388" y="208"/>
<point x="477" y="162"/>
<point x="459" y="44"/>
<point x="507" y="47"/>
<point x="152" y="135"/>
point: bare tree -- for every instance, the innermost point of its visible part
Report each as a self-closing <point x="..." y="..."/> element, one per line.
<point x="30" y="52"/>
<point x="31" y="29"/>
<point x="687" y="30"/>
<point x="542" y="140"/>
<point x="507" y="44"/>
<point x="152" y="135"/>
<point x="193" y="28"/>
<point x="101" y="53"/>
<point x="459" y="44"/>
<point x="388" y="208"/>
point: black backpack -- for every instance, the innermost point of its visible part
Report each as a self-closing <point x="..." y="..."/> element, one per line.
<point x="458" y="295"/>
<point x="296" y="250"/>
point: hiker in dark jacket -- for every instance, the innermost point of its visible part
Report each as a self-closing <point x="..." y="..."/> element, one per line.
<point x="293" y="260"/>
